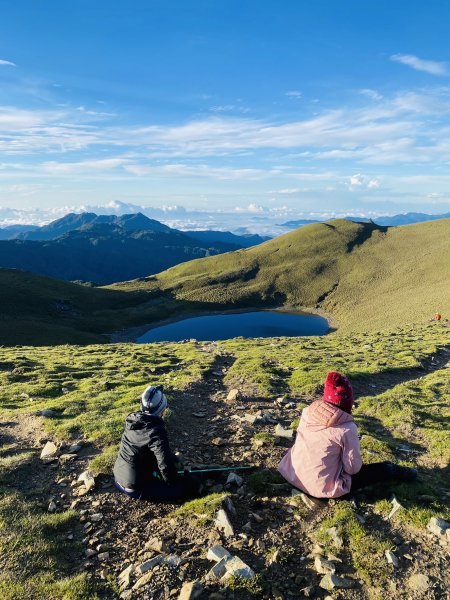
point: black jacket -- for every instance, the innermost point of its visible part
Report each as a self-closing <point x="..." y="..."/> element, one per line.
<point x="144" y="449"/>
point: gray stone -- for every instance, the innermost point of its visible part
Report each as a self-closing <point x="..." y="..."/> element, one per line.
<point x="149" y="564"/>
<point x="172" y="560"/>
<point x="235" y="479"/>
<point x="157" y="545"/>
<point x="228" y="505"/>
<point x="391" y="558"/>
<point x="103" y="556"/>
<point x="251" y="419"/>
<point x="219" y="569"/>
<point x="142" y="580"/>
<point x="47" y="412"/>
<point x="308" y="501"/>
<point x="74" y="448"/>
<point x="90" y="552"/>
<point x="324" y="566"/>
<point x="330" y="582"/>
<point x="419" y="583"/>
<point x="96" y="517"/>
<point x="283" y="433"/>
<point x="87" y="478"/>
<point x="125" y="575"/>
<point x="233" y="395"/>
<point x="334" y="535"/>
<point x="222" y="522"/>
<point x="49" y="452"/>
<point x="52" y="506"/>
<point x="396" y="506"/>
<point x="438" y="526"/>
<point x="190" y="590"/>
<point x="237" y="567"/>
<point x="217" y="552"/>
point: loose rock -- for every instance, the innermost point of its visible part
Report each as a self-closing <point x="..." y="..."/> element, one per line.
<point x="330" y="582"/>
<point x="222" y="522"/>
<point x="190" y="590"/>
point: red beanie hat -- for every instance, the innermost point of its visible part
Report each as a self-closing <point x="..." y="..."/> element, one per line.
<point x="338" y="391"/>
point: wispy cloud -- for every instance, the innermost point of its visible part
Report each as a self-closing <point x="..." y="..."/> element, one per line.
<point x="419" y="64"/>
<point x="7" y="63"/>
<point x="294" y="94"/>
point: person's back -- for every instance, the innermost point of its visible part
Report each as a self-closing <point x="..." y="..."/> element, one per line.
<point x="325" y="454"/>
<point x="325" y="460"/>
<point x="144" y="449"/>
<point x="145" y="467"/>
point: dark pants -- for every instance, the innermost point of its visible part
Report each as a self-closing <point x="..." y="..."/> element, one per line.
<point x="187" y="486"/>
<point x="379" y="473"/>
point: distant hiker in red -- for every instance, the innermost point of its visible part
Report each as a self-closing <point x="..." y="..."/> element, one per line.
<point x="325" y="460"/>
<point x="437" y="317"/>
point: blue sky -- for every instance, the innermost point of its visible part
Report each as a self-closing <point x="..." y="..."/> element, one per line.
<point x="271" y="108"/>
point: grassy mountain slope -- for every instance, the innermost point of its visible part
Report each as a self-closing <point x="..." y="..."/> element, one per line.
<point x="38" y="310"/>
<point x="366" y="276"/>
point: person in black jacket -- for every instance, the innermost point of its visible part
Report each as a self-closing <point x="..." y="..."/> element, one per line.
<point x="145" y="467"/>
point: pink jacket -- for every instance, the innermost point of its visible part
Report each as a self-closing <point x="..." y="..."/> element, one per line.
<point x="325" y="454"/>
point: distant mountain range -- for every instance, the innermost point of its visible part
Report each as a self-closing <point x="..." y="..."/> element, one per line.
<point x="107" y="248"/>
<point x="388" y="221"/>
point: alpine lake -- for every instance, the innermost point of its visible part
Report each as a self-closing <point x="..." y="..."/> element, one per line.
<point x="251" y="324"/>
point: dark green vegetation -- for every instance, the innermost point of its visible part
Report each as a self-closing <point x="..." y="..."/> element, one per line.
<point x="366" y="277"/>
<point x="105" y="252"/>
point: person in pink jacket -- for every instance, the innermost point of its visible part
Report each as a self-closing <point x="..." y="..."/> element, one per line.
<point x="325" y="460"/>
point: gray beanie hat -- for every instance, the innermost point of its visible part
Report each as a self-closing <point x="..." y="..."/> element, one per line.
<point x="153" y="400"/>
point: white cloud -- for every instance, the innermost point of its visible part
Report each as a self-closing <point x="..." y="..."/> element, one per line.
<point x="372" y="94"/>
<point x="362" y="181"/>
<point x="287" y="191"/>
<point x="251" y="208"/>
<point x="419" y="64"/>
<point x="294" y="94"/>
<point x="7" y="63"/>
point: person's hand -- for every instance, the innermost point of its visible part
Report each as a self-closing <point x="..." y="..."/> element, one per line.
<point x="179" y="460"/>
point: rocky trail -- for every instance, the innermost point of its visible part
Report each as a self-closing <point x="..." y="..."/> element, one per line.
<point x="145" y="551"/>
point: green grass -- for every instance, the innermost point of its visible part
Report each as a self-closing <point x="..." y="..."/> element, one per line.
<point x="260" y="481"/>
<point x="366" y="547"/>
<point x="252" y="585"/>
<point x="36" y="558"/>
<point x="201" y="510"/>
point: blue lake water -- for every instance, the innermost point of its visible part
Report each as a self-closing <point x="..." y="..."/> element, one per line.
<point x="262" y="323"/>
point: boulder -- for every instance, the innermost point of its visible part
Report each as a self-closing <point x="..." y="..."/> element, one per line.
<point x="149" y="564"/>
<point x="438" y="526"/>
<point x="222" y="522"/>
<point x="396" y="506"/>
<point x="237" y="568"/>
<point x="234" y="479"/>
<point x="419" y="583"/>
<point x="86" y="478"/>
<point x="217" y="552"/>
<point x="124" y="577"/>
<point x="190" y="590"/>
<point x="233" y="395"/>
<point x="330" y="582"/>
<point x="283" y="433"/>
<point x="391" y="558"/>
<point x="49" y="452"/>
<point x="324" y="566"/>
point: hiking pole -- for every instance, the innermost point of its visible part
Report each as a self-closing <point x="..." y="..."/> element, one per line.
<point x="217" y="469"/>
